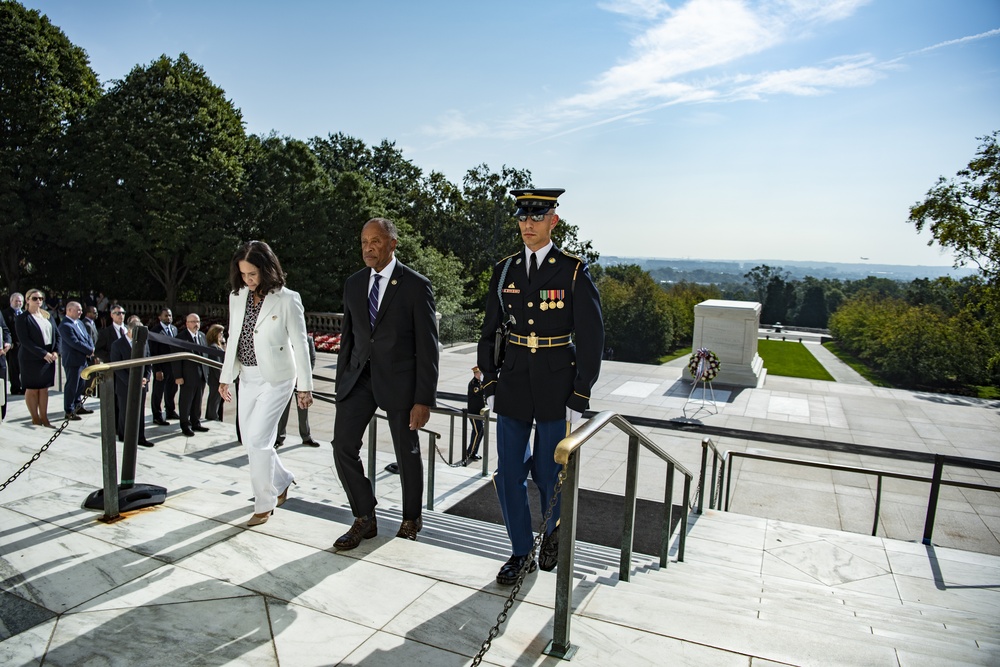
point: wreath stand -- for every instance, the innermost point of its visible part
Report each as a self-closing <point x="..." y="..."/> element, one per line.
<point x="704" y="366"/>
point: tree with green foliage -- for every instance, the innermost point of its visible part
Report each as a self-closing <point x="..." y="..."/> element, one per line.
<point x="637" y="315"/>
<point x="964" y="213"/>
<point x="46" y="85"/>
<point x="682" y="297"/>
<point x="289" y="201"/>
<point x="812" y="310"/>
<point x="158" y="173"/>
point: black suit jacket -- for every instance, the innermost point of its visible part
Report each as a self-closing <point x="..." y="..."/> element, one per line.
<point x="105" y="339"/>
<point x="8" y="317"/>
<point x="121" y="350"/>
<point x="159" y="348"/>
<point x="403" y="346"/>
<point x="191" y="371"/>
<point x="5" y="338"/>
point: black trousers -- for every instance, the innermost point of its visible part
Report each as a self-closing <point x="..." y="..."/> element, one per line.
<point x="121" y="397"/>
<point x="163" y="392"/>
<point x="353" y="415"/>
<point x="189" y="403"/>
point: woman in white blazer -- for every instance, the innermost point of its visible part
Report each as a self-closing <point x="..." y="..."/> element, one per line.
<point x="269" y="353"/>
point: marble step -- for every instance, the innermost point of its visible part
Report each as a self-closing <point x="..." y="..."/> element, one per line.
<point x="813" y="598"/>
<point x="770" y="636"/>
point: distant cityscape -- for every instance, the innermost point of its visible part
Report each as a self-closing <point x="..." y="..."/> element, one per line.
<point x="721" y="271"/>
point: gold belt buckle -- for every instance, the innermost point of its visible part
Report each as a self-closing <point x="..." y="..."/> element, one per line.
<point x="533" y="342"/>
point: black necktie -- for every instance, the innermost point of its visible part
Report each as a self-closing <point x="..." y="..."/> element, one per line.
<point x="532" y="266"/>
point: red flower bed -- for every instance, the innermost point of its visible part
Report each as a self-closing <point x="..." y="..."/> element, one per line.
<point x="327" y="343"/>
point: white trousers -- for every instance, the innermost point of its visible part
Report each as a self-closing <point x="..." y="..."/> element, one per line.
<point x="259" y="407"/>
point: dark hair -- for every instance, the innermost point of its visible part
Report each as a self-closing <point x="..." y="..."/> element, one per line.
<point x="261" y="256"/>
<point x="214" y="334"/>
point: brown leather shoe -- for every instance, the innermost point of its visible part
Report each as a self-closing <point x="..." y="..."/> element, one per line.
<point x="410" y="527"/>
<point x="548" y="554"/>
<point x="364" y="527"/>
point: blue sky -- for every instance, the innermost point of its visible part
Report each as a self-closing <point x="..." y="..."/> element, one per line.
<point x="729" y="129"/>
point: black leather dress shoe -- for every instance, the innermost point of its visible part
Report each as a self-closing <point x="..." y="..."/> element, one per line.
<point x="188" y="432"/>
<point x="476" y="457"/>
<point x="279" y="442"/>
<point x="364" y="527"/>
<point x="410" y="527"/>
<point x="508" y="574"/>
<point x="160" y="422"/>
<point x="199" y="428"/>
<point x="173" y="415"/>
<point x="145" y="443"/>
<point x="72" y="416"/>
<point x="84" y="411"/>
<point x="548" y="554"/>
<point x="310" y="443"/>
<point x="393" y="468"/>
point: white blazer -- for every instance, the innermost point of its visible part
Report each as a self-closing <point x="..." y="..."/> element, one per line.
<point x="279" y="339"/>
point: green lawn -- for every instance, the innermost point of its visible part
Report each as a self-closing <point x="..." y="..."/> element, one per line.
<point x="858" y="365"/>
<point x="682" y="352"/>
<point x="791" y="360"/>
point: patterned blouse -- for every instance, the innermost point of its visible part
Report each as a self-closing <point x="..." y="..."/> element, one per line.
<point x="244" y="349"/>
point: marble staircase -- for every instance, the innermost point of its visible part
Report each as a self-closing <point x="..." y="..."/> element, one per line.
<point x="783" y="617"/>
<point x="205" y="590"/>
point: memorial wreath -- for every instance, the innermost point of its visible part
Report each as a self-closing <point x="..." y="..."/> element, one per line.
<point x="704" y="365"/>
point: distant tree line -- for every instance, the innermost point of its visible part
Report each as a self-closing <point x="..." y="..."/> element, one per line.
<point x="143" y="189"/>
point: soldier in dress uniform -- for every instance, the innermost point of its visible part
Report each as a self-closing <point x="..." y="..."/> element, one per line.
<point x="474" y="405"/>
<point x="554" y="339"/>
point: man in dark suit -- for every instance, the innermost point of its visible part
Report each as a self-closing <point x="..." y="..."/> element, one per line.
<point x="14" y="367"/>
<point x="109" y="334"/>
<point x="553" y="357"/>
<point x="74" y="348"/>
<point x="121" y="350"/>
<point x="388" y="359"/>
<point x="90" y="324"/>
<point x="190" y="377"/>
<point x="5" y="347"/>
<point x="164" y="387"/>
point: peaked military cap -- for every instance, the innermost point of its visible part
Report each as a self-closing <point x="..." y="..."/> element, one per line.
<point x="534" y="202"/>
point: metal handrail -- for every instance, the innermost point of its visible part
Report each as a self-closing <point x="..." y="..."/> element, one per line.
<point x="935" y="480"/>
<point x="567" y="454"/>
<point x="103" y="367"/>
<point x="717" y="475"/>
<point x="113" y="486"/>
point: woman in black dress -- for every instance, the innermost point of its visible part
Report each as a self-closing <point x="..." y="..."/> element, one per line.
<point x="38" y="356"/>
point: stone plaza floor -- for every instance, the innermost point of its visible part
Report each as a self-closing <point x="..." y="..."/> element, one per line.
<point x="775" y="581"/>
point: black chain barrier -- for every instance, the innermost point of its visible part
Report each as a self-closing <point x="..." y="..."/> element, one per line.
<point x="502" y="616"/>
<point x="90" y="391"/>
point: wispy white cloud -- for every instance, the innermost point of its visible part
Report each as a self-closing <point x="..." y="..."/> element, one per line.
<point x="642" y="9"/>
<point x="700" y="51"/>
<point x="961" y="40"/>
<point x="453" y="125"/>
